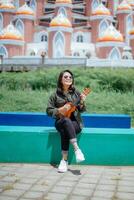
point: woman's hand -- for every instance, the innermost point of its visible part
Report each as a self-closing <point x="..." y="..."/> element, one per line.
<point x="83" y="97"/>
<point x="84" y="94"/>
<point x="62" y="110"/>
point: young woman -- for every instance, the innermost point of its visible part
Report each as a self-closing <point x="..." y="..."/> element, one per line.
<point x="68" y="127"/>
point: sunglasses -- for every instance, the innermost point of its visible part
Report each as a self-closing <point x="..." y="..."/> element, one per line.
<point x="65" y="77"/>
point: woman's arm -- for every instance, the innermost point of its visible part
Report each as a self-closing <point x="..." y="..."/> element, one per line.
<point x="81" y="106"/>
<point x="54" y="111"/>
<point x="51" y="109"/>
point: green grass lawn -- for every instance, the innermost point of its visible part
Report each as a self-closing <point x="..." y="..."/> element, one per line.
<point x="36" y="101"/>
<point x="112" y="90"/>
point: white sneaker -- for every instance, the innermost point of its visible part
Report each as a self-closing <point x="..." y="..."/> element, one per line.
<point x="79" y="155"/>
<point x="63" y="166"/>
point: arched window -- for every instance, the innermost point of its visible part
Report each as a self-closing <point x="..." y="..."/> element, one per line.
<point x="80" y="38"/>
<point x="1" y="21"/>
<point x="115" y="54"/>
<point x="33" y="4"/>
<point x="129" y="23"/>
<point x="3" y="51"/>
<point x="44" y="38"/>
<point x="95" y="4"/>
<point x="59" y="45"/>
<point x="63" y="11"/>
<point x="20" y="26"/>
<point x="16" y="3"/>
<point x="102" y="27"/>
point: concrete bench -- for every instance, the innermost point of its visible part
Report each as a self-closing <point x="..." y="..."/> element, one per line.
<point x="36" y="144"/>
<point x="41" y="119"/>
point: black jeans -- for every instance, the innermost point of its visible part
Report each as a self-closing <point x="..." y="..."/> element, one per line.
<point x="68" y="129"/>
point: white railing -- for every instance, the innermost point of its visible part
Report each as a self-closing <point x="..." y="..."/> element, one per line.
<point x="68" y="61"/>
<point x="109" y="63"/>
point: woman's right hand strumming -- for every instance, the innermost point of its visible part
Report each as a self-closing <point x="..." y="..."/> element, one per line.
<point x="62" y="110"/>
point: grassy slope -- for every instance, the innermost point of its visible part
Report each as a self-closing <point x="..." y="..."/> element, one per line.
<point x="27" y="91"/>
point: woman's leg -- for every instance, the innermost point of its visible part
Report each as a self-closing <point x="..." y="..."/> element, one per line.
<point x="71" y="128"/>
<point x="64" y="144"/>
<point x="68" y="130"/>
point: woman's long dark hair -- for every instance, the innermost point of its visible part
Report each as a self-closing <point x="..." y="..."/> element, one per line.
<point x="59" y="82"/>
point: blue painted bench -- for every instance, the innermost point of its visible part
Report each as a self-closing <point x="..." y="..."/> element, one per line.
<point x="41" y="119"/>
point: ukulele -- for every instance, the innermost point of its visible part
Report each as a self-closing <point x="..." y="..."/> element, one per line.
<point x="74" y="105"/>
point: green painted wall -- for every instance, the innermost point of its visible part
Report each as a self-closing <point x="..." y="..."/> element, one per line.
<point x="42" y="145"/>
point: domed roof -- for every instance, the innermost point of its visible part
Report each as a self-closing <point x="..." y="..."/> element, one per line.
<point x="111" y="35"/>
<point x="60" y="20"/>
<point x="25" y="10"/>
<point x="101" y="10"/>
<point x="131" y="32"/>
<point x="64" y="1"/>
<point x="7" y="5"/>
<point x="124" y="6"/>
<point x="10" y="33"/>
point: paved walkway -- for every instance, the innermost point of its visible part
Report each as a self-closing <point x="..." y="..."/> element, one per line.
<point x="43" y="182"/>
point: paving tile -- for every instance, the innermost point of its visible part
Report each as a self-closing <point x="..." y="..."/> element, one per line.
<point x="28" y="180"/>
<point x="128" y="178"/>
<point x="3" y="173"/>
<point x="125" y="196"/>
<point x="66" y="183"/>
<point x="82" y="191"/>
<point x="126" y="183"/>
<point x="40" y="188"/>
<point x="106" y="187"/>
<point x="33" y="195"/>
<point x="26" y="199"/>
<point x="89" y="180"/>
<point x="75" y="197"/>
<point x="21" y="186"/>
<point x="71" y="178"/>
<point x="3" y="184"/>
<point x="103" y="194"/>
<point x="7" y="198"/>
<point x="86" y="185"/>
<point x="107" y="181"/>
<point x="46" y="182"/>
<point x="13" y="192"/>
<point x="55" y="196"/>
<point x="126" y="189"/>
<point x="102" y="198"/>
<point x="10" y="179"/>
<point x="61" y="189"/>
<point x="45" y="167"/>
<point x="9" y="168"/>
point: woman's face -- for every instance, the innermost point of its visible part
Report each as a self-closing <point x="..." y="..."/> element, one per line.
<point x="67" y="79"/>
